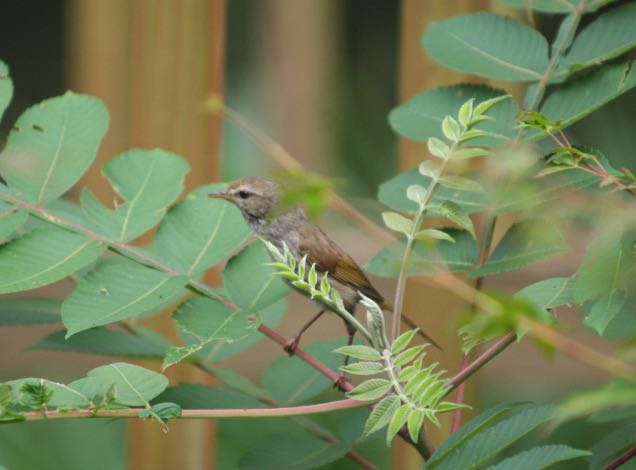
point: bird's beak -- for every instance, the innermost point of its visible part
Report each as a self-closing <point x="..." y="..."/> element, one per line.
<point x="220" y="195"/>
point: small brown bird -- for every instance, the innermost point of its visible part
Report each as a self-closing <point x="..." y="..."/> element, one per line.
<point x="259" y="200"/>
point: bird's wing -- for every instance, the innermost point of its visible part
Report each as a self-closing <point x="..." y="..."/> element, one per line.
<point x="328" y="256"/>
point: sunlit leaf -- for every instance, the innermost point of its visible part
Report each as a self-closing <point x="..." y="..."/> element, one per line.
<point x="135" y="385"/>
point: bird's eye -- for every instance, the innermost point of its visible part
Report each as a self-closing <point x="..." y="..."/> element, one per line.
<point x="243" y="194"/>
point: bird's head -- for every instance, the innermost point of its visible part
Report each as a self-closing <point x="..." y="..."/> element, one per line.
<point x="254" y="196"/>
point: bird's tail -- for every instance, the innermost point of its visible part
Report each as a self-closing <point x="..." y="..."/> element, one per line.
<point x="411" y="324"/>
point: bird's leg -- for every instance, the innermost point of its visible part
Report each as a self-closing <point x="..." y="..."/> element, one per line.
<point x="342" y="378"/>
<point x="292" y="344"/>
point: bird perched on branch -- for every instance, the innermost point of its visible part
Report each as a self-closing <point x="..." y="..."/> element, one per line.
<point x="259" y="200"/>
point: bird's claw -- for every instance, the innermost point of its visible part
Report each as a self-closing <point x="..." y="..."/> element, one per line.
<point x="340" y="382"/>
<point x="291" y="345"/>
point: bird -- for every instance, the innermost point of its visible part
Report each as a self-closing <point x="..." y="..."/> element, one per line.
<point x="260" y="201"/>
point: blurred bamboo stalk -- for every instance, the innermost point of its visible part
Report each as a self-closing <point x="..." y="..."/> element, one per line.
<point x="153" y="62"/>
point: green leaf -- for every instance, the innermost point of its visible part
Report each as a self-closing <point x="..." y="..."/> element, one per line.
<point x="549" y="293"/>
<point x="613" y="394"/>
<point x="430" y="169"/>
<point x="29" y="311"/>
<point x="473" y="452"/>
<point x="612" y="444"/>
<point x="381" y="414"/>
<point x="555" y="6"/>
<point x="465" y="113"/>
<point x="454" y="213"/>
<point x="163" y="411"/>
<point x="397" y="421"/>
<point x="43" y="256"/>
<point x="539" y="457"/>
<point x="469" y="152"/>
<point x="402" y="341"/>
<point x="460" y="255"/>
<point x="414" y="423"/>
<point x="119" y="288"/>
<point x="148" y="181"/>
<point x="605" y="263"/>
<point x="451" y="130"/>
<point x="599" y="314"/>
<point x="421" y="117"/>
<point x="438" y="148"/>
<point x="199" y="231"/>
<point x="575" y="100"/>
<point x="11" y="219"/>
<point x="407" y="356"/>
<point x="471" y="429"/>
<point x="459" y="182"/>
<point x="393" y="194"/>
<point x="249" y="283"/>
<point x="291" y="452"/>
<point x="433" y="234"/>
<point x="397" y="222"/>
<point x="416" y="193"/>
<point x="135" y="385"/>
<point x="289" y="380"/>
<point x="219" y="350"/>
<point x="370" y="390"/>
<point x="524" y="243"/>
<point x="488" y="45"/>
<point x="200" y="396"/>
<point x="484" y="106"/>
<point x="363" y="368"/>
<point x="52" y="144"/>
<point x="6" y="88"/>
<point x="104" y="342"/>
<point x="208" y="320"/>
<point x="359" y="351"/>
<point x="608" y="36"/>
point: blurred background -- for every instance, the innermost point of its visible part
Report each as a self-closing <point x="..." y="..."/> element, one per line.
<point x="319" y="78"/>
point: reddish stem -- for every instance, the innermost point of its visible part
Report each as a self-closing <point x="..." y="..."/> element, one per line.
<point x="459" y="398"/>
<point x="621" y="459"/>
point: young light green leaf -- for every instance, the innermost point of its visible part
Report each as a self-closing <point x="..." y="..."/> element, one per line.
<point x="325" y="287"/>
<point x="414" y="423"/>
<point x="402" y="341"/>
<point x="469" y="152"/>
<point x="363" y="368"/>
<point x="429" y="168"/>
<point x="484" y="106"/>
<point x="312" y="277"/>
<point x="472" y="134"/>
<point x="397" y="222"/>
<point x="459" y="182"/>
<point x="359" y="351"/>
<point x="416" y="193"/>
<point x="433" y="234"/>
<point x="407" y="356"/>
<point x="370" y="390"/>
<point x="381" y="414"/>
<point x="453" y="212"/>
<point x="451" y="130"/>
<point x="397" y="421"/>
<point x="465" y="113"/>
<point x="437" y="148"/>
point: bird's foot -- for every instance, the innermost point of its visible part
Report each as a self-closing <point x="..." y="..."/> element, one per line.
<point x="291" y="345"/>
<point x="340" y="383"/>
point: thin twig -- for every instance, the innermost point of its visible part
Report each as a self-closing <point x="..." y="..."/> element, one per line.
<point x="621" y="459"/>
<point x="481" y="361"/>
